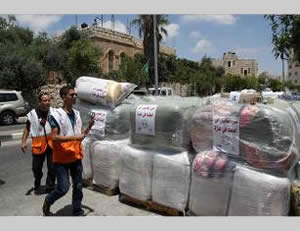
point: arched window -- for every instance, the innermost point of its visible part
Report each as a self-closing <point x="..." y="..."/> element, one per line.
<point x="122" y="56"/>
<point x="110" y="60"/>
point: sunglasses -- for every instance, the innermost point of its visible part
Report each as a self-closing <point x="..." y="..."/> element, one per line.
<point x="74" y="94"/>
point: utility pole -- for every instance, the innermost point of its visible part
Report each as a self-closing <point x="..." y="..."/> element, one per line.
<point x="155" y="55"/>
<point x="113" y="22"/>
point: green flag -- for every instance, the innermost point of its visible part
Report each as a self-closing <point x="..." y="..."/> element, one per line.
<point x="146" y="67"/>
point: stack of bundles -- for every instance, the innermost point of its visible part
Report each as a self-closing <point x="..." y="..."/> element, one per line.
<point x="106" y="164"/>
<point x="163" y="177"/>
<point x="264" y="136"/>
<point x="101" y="91"/>
<point x="105" y="100"/>
<point x="156" y="165"/>
<point x="253" y="138"/>
<point x="109" y="125"/>
<point x="220" y="186"/>
<point x="162" y="122"/>
<point x="171" y="179"/>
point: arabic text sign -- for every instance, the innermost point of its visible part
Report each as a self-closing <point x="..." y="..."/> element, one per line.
<point x="145" y="119"/>
<point x="99" y="125"/>
<point x="226" y="134"/>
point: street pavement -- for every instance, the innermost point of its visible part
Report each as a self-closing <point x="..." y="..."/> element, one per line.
<point x="18" y="199"/>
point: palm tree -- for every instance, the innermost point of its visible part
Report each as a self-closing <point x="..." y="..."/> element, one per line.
<point x="145" y="27"/>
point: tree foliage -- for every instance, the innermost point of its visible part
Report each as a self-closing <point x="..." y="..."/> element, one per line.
<point x="145" y="28"/>
<point x="25" y="58"/>
<point x="285" y="35"/>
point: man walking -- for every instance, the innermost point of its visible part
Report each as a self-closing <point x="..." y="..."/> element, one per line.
<point x="40" y="129"/>
<point x="67" y="151"/>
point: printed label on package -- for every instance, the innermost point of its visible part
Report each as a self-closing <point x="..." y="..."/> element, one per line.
<point x="145" y="119"/>
<point x="99" y="92"/>
<point x="226" y="134"/>
<point x="234" y="96"/>
<point x="100" y="121"/>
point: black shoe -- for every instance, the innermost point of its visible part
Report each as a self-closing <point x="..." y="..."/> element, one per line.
<point x="38" y="191"/>
<point x="46" y="208"/>
<point x="49" y="189"/>
<point x="79" y="212"/>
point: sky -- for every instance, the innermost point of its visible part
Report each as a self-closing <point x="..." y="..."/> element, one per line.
<point x="193" y="36"/>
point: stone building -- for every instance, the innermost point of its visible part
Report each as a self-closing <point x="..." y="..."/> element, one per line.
<point x="293" y="70"/>
<point x="116" y="45"/>
<point x="235" y="66"/>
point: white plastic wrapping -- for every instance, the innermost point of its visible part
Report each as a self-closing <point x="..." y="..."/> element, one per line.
<point x="136" y="172"/>
<point x="259" y="194"/>
<point x="116" y="121"/>
<point x="264" y="136"/>
<point x="167" y="119"/>
<point x="221" y="187"/>
<point x="212" y="178"/>
<point x="102" y="91"/>
<point x="106" y="162"/>
<point x="171" y="179"/>
<point x="86" y="160"/>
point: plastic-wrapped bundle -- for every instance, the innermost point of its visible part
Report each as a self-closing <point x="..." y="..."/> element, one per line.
<point x="87" y="173"/>
<point x="259" y="194"/>
<point x="136" y="172"/>
<point x="162" y="122"/>
<point x="265" y="136"/>
<point x="106" y="162"/>
<point x="114" y="123"/>
<point x="202" y="134"/>
<point x="101" y="91"/>
<point x="212" y="176"/>
<point x="171" y="179"/>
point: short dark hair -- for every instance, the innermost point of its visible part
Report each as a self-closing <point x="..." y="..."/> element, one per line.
<point x="64" y="90"/>
<point x="41" y="94"/>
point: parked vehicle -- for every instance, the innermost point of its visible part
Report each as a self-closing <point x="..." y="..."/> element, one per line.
<point x="163" y="91"/>
<point x="140" y="92"/>
<point x="12" y="106"/>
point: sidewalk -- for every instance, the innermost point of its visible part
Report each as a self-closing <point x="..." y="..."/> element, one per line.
<point x="11" y="135"/>
<point x="14" y="134"/>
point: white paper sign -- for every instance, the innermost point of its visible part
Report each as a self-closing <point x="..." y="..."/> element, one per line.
<point x="234" y="96"/>
<point x="226" y="134"/>
<point x="100" y="120"/>
<point x="145" y="119"/>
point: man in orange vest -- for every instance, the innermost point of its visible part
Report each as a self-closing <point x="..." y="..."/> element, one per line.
<point x="67" y="135"/>
<point x="40" y="129"/>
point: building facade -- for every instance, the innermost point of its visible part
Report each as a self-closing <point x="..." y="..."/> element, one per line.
<point x="235" y="66"/>
<point x="116" y="45"/>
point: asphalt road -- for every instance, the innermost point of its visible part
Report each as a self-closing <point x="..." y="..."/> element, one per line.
<point x="17" y="200"/>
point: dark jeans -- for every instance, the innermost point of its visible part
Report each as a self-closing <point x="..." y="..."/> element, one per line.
<point x="63" y="172"/>
<point x="37" y="168"/>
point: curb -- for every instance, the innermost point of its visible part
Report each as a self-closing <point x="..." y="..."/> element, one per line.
<point x="13" y="136"/>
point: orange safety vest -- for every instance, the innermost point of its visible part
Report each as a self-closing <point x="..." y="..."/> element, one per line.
<point x="67" y="151"/>
<point x="41" y="137"/>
